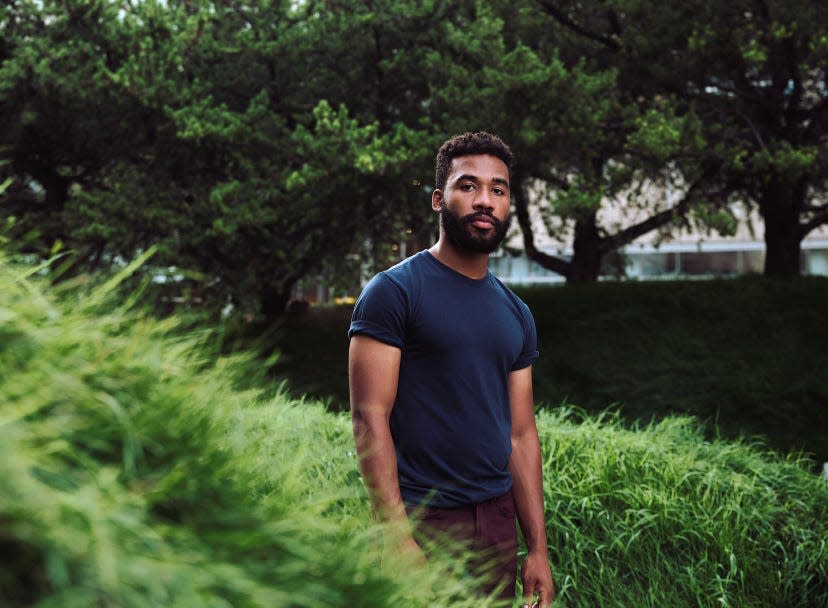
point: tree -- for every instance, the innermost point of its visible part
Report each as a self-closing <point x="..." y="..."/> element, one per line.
<point x="62" y="121"/>
<point x="582" y="131"/>
<point x="202" y="128"/>
<point x="753" y="72"/>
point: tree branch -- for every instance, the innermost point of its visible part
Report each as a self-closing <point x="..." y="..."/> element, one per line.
<point x="813" y="224"/>
<point x="815" y="208"/>
<point x="556" y="180"/>
<point x="820" y="219"/>
<point x="628" y="235"/>
<point x="792" y="64"/>
<point x="551" y="262"/>
<point x="608" y="40"/>
<point x="818" y="120"/>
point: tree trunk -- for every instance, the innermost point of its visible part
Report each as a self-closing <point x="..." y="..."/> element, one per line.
<point x="550" y="262"/>
<point x="585" y="265"/>
<point x="273" y="301"/>
<point x="780" y="203"/>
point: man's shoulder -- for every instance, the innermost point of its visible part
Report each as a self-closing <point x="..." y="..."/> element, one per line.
<point x="409" y="264"/>
<point x="508" y="292"/>
<point x="399" y="279"/>
<point x="403" y="273"/>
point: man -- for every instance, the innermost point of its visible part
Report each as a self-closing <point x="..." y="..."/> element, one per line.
<point x="440" y="379"/>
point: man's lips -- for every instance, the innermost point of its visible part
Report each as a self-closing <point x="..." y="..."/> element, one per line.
<point x="483" y="222"/>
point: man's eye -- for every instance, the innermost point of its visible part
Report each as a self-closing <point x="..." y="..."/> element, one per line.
<point x="467" y="187"/>
<point x="498" y="191"/>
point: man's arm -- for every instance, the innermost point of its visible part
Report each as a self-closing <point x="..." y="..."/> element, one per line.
<point x="373" y="373"/>
<point x="527" y="488"/>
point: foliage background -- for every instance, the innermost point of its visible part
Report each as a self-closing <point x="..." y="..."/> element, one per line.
<point x="257" y="143"/>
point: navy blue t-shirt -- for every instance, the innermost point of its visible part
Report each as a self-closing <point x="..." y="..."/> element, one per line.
<point x="460" y="339"/>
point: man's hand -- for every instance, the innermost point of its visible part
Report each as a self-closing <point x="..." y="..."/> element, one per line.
<point x="537" y="580"/>
<point x="401" y="553"/>
<point x="403" y="550"/>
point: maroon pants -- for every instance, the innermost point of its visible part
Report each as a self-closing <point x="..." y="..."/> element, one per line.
<point x="487" y="530"/>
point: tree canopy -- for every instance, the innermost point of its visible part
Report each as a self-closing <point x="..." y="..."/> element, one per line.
<point x="255" y="143"/>
<point x="199" y="127"/>
<point x="738" y="91"/>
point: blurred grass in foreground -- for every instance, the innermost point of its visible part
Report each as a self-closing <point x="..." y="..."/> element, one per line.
<point x="130" y="478"/>
<point x="134" y="473"/>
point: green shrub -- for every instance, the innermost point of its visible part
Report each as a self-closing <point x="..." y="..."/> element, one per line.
<point x="132" y="476"/>
<point x="134" y="473"/>
<point x="745" y="356"/>
<point x="659" y="516"/>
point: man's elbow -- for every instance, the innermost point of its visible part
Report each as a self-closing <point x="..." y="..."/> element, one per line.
<point x="524" y="437"/>
<point x="368" y="419"/>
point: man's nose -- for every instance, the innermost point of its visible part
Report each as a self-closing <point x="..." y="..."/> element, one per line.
<point x="483" y="201"/>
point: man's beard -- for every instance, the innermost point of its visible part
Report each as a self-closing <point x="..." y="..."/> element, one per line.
<point x="460" y="232"/>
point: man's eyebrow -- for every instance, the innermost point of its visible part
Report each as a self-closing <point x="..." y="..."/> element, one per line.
<point x="467" y="176"/>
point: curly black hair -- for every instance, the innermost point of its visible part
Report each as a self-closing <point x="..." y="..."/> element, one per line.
<point x="480" y="142"/>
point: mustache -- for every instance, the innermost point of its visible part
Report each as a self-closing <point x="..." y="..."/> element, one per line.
<point x="472" y="217"/>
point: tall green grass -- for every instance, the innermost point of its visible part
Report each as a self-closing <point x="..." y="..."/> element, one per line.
<point x="659" y="516"/>
<point x="132" y="476"/>
<point x="134" y="472"/>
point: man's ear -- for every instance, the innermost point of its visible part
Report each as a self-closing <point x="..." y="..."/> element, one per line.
<point x="436" y="200"/>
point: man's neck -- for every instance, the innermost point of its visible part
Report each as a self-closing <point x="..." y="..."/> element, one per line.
<point x="472" y="264"/>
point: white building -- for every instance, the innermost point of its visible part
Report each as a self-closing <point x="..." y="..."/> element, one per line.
<point x="684" y="254"/>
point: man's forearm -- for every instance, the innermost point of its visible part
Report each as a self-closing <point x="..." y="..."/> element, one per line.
<point x="527" y="489"/>
<point x="378" y="464"/>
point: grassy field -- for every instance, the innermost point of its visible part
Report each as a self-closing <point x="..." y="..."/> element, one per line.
<point x="745" y="357"/>
<point x="135" y="473"/>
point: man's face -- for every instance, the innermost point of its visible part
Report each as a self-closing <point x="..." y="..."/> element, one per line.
<point x="474" y="205"/>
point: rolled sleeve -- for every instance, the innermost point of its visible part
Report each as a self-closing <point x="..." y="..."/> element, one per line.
<point x="379" y="312"/>
<point x="530" y="352"/>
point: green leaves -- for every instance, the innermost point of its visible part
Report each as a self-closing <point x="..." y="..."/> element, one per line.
<point x="289" y="135"/>
<point x="657" y="135"/>
<point x="209" y="130"/>
<point x="784" y="159"/>
<point x="132" y="472"/>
